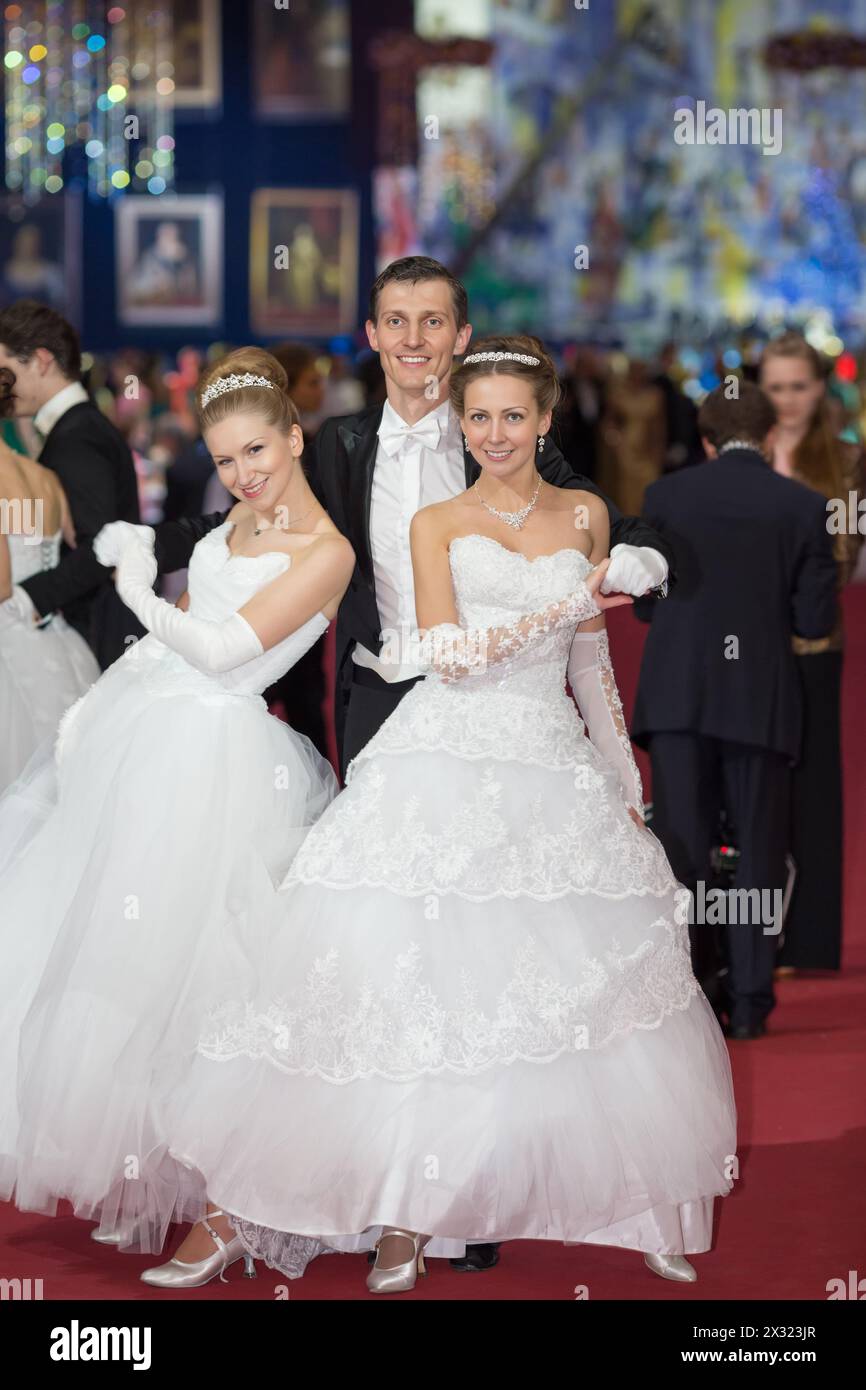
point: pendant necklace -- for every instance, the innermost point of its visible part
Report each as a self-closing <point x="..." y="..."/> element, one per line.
<point x="258" y="529"/>
<point x="513" y="519"/>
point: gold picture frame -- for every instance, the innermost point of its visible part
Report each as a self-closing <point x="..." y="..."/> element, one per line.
<point x="303" y="262"/>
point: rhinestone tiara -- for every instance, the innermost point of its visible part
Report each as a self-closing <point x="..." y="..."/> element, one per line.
<point x="501" y="357"/>
<point x="233" y="383"/>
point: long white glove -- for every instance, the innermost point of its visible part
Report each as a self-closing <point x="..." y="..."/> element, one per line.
<point x="635" y="569"/>
<point x="590" y="675"/>
<point x="209" y="646"/>
<point x="109" y="542"/>
<point x="454" y="652"/>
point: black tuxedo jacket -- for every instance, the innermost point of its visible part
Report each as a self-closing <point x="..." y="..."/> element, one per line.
<point x="340" y="469"/>
<point x="94" y="464"/>
<point x="754" y="562"/>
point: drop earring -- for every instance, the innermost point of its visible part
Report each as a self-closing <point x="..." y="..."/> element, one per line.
<point x="465" y="442"/>
<point x="541" y="443"/>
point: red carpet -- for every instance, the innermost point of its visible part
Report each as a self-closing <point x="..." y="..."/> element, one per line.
<point x="797" y="1216"/>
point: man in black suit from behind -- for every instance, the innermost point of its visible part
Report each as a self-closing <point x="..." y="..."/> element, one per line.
<point x="91" y="459"/>
<point x="718" y="702"/>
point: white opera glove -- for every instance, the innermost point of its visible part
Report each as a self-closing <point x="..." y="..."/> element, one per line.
<point x="109" y="542"/>
<point x="590" y="675"/>
<point x="18" y="608"/>
<point x="635" y="569"/>
<point x="209" y="646"/>
<point x="454" y="652"/>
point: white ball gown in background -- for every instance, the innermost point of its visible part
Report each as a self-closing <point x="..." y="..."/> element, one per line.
<point x="132" y="875"/>
<point x="476" y="1015"/>
<point x="43" y="670"/>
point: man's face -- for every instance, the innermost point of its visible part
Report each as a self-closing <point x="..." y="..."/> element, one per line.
<point x="416" y="336"/>
<point x="28" y="391"/>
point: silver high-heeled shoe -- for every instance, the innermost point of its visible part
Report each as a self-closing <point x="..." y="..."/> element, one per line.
<point x="178" y="1274"/>
<point x="399" y="1277"/>
<point x="111" y="1236"/>
<point x="672" y="1267"/>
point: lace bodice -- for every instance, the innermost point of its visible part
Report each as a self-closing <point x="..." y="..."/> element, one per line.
<point x="494" y="586"/>
<point x="220" y="584"/>
<point x="29" y="557"/>
<point x="520" y="703"/>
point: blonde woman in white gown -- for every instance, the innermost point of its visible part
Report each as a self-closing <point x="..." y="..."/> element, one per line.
<point x="45" y="668"/>
<point x="137" y="864"/>
<point x="476" y="1017"/>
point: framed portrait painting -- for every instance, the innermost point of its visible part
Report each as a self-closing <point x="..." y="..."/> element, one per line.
<point x="304" y="261"/>
<point x="169" y="259"/>
<point x="197" y="48"/>
<point x="40" y="252"/>
<point x="301" y="59"/>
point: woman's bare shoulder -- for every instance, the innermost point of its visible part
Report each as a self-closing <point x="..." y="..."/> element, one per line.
<point x="435" y="520"/>
<point x="331" y="544"/>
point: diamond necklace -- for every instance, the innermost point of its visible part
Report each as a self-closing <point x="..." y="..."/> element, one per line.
<point x="513" y="519"/>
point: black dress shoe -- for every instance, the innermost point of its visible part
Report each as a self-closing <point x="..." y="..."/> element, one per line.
<point x="477" y="1257"/>
<point x="746" y="1032"/>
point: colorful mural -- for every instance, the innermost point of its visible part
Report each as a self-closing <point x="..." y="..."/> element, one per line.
<point x="577" y="148"/>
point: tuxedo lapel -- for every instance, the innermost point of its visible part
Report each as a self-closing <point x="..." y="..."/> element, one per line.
<point x="470" y="467"/>
<point x="361" y="443"/>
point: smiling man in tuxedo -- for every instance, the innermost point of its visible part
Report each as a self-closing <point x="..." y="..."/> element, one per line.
<point x="372" y="470"/>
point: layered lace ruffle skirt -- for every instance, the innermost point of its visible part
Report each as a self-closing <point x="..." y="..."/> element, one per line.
<point x="476" y="1016"/>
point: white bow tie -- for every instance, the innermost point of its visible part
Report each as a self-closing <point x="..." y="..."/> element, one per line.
<point x="426" y="433"/>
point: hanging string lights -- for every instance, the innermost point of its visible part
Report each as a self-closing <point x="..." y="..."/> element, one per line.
<point x="91" y="74"/>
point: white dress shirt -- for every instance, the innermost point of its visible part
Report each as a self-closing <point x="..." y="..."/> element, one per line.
<point x="410" y="472"/>
<point x="50" y="412"/>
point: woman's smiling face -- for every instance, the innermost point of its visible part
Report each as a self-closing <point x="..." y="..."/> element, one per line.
<point x="252" y="458"/>
<point x="502" y="422"/>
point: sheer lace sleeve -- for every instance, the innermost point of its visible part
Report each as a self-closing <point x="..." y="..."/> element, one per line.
<point x="591" y="677"/>
<point x="454" y="652"/>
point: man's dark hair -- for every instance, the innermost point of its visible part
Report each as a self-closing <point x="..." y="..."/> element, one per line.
<point x="27" y="325"/>
<point x="750" y="416"/>
<point x="411" y="269"/>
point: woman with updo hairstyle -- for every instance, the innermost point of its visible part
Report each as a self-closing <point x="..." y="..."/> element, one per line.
<point x="142" y="847"/>
<point x="276" y="407"/>
<point x="543" y="379"/>
<point x="477" y="1019"/>
<point x="794" y="376"/>
<point x="300" y="689"/>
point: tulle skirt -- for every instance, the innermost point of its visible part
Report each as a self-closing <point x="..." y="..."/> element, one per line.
<point x="42" y="672"/>
<point x="135" y="879"/>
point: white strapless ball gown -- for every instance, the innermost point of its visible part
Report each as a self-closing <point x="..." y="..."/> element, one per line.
<point x="43" y="670"/>
<point x="476" y="1015"/>
<point x="133" y="873"/>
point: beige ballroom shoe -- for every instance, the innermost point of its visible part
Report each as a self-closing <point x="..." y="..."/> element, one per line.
<point x="178" y="1274"/>
<point x="672" y="1267"/>
<point x="400" y="1277"/>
